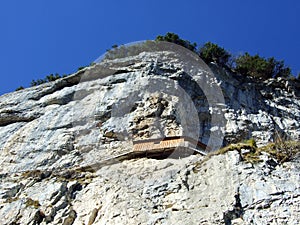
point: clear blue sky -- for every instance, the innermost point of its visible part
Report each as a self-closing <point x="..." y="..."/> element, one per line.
<point x="40" y="37"/>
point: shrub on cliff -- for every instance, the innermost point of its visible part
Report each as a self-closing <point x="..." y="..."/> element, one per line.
<point x="211" y="52"/>
<point x="52" y="77"/>
<point x="174" y="38"/>
<point x="19" y="88"/>
<point x="37" y="82"/>
<point x="48" y="78"/>
<point x="259" y="67"/>
<point x="281" y="150"/>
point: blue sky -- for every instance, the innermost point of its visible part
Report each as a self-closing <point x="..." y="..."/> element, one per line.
<point x="43" y="37"/>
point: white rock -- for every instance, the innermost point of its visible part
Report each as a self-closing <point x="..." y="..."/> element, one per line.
<point x="68" y="127"/>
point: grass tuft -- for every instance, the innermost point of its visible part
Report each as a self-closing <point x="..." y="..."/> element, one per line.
<point x="282" y="151"/>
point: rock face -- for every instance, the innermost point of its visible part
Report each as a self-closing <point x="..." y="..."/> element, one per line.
<point x="51" y="134"/>
<point x="222" y="190"/>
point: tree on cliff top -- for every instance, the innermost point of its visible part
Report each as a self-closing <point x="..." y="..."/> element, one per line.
<point x="259" y="67"/>
<point x="211" y="52"/>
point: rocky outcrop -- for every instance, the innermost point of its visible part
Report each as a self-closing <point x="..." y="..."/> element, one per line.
<point x="54" y="138"/>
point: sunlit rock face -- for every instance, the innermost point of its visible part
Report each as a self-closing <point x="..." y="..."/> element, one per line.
<point x="51" y="133"/>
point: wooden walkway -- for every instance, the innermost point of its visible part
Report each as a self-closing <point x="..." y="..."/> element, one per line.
<point x="173" y="147"/>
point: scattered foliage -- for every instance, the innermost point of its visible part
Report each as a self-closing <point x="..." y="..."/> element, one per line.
<point x="282" y="151"/>
<point x="254" y="66"/>
<point x="174" y="38"/>
<point x="81" y="68"/>
<point x="130" y="50"/>
<point x="48" y="78"/>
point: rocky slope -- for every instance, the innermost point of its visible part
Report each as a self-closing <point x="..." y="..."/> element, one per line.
<point x="55" y="136"/>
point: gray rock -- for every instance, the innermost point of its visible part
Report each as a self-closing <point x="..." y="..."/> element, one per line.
<point x="54" y="138"/>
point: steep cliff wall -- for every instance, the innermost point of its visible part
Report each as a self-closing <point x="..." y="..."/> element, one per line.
<point x="51" y="134"/>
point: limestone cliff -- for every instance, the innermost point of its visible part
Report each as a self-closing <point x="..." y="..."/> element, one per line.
<point x="55" y="136"/>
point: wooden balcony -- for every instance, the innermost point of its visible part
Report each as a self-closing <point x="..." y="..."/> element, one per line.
<point x="182" y="145"/>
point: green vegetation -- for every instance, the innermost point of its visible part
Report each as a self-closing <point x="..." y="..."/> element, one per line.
<point x="11" y="199"/>
<point x="259" y="67"/>
<point x="254" y="66"/>
<point x="248" y="144"/>
<point x="19" y="88"/>
<point x="248" y="65"/>
<point x="51" y="77"/>
<point x="129" y="50"/>
<point x="29" y="202"/>
<point x="211" y="52"/>
<point x="282" y="151"/>
<point x="174" y="38"/>
<point x="48" y="78"/>
<point x="81" y="68"/>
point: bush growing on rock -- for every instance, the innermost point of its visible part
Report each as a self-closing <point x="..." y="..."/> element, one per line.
<point x="52" y="77"/>
<point x="248" y="65"/>
<point x="19" y="88"/>
<point x="282" y="151"/>
<point x="174" y="38"/>
<point x="255" y="66"/>
<point x="261" y="68"/>
<point x="37" y="82"/>
<point x="211" y="52"/>
<point x="48" y="78"/>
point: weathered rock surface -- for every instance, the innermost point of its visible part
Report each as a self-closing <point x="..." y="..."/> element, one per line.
<point x="51" y="133"/>
<point x="222" y="190"/>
